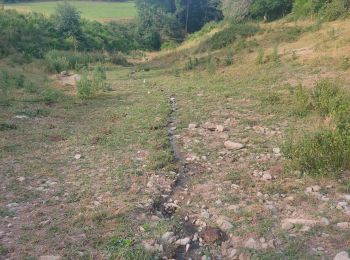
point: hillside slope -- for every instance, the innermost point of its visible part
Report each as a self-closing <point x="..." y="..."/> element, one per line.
<point x="187" y="156"/>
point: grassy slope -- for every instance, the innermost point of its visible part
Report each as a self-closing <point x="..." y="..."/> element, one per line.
<point x="101" y="11"/>
<point x="122" y="137"/>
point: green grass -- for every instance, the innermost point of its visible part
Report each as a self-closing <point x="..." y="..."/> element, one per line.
<point x="100" y="11"/>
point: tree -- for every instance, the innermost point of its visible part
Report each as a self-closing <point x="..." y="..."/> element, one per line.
<point x="171" y="19"/>
<point x="67" y="21"/>
<point x="270" y="9"/>
<point x="236" y="10"/>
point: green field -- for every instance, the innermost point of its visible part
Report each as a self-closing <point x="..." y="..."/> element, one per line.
<point x="100" y="11"/>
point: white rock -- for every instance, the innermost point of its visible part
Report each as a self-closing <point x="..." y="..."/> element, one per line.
<point x="315" y="188"/>
<point x="21" y="179"/>
<point x="342" y="256"/>
<point x="343" y="225"/>
<point x="224" y="223"/>
<point x="50" y="257"/>
<point x="267" y="176"/>
<point x="187" y="247"/>
<point x="21" y="117"/>
<point x="77" y="156"/>
<point x="192" y="126"/>
<point x="276" y="150"/>
<point x="183" y="241"/>
<point x="220" y="128"/>
<point x="168" y="237"/>
<point x="233" y="146"/>
<point x="251" y="243"/>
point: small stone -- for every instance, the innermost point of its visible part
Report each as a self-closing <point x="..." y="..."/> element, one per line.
<point x="251" y="243"/>
<point x="209" y="126"/>
<point x="211" y="235"/>
<point x="267" y="176"/>
<point x="220" y="128"/>
<point x="183" y="241"/>
<point x="192" y="126"/>
<point x="287" y="226"/>
<point x="224" y="223"/>
<point x="342" y="256"/>
<point x="77" y="156"/>
<point x="168" y="237"/>
<point x="276" y="150"/>
<point x="343" y="225"/>
<point x="311" y="189"/>
<point x="21" y="179"/>
<point x="233" y="146"/>
<point x="50" y="257"/>
<point x="205" y="214"/>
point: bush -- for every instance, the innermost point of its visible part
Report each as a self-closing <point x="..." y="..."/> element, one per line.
<point x="227" y="36"/>
<point x="326" y="151"/>
<point x="191" y="64"/>
<point x="88" y="86"/>
<point x="335" y="9"/>
<point x="322" y="153"/>
<point x="260" y="59"/>
<point x="302" y="101"/>
<point x="58" y="61"/>
<point x="118" y="58"/>
<point x="326" y="10"/>
<point x="50" y="95"/>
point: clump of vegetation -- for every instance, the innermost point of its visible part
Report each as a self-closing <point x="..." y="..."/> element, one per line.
<point x="325" y="10"/>
<point x="229" y="57"/>
<point x="326" y="151"/>
<point x="89" y="85"/>
<point x="301" y="100"/>
<point x="229" y="35"/>
<point x="7" y="126"/>
<point x="191" y="63"/>
<point x="345" y="63"/>
<point x="124" y="248"/>
<point x="260" y="59"/>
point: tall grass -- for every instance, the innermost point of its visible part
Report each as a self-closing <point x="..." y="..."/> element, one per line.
<point x="325" y="152"/>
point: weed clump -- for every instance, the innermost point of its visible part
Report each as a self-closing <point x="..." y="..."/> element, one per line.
<point x="260" y="59"/>
<point x="229" y="35"/>
<point x="89" y="85"/>
<point x="325" y="152"/>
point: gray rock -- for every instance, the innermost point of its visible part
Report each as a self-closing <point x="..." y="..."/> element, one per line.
<point x="168" y="237"/>
<point x="343" y="225"/>
<point x="233" y="146"/>
<point x="224" y="223"/>
<point x="251" y="243"/>
<point x="342" y="256"/>
<point x="50" y="257"/>
<point x="183" y="241"/>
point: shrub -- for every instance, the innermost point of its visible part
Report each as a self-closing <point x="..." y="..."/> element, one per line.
<point x="52" y="95"/>
<point x="322" y="153"/>
<point x="302" y="101"/>
<point x="345" y="63"/>
<point x="275" y="56"/>
<point x="86" y="88"/>
<point x="329" y="99"/>
<point x="5" y="87"/>
<point x="260" y="59"/>
<point x="335" y="9"/>
<point x="55" y="62"/>
<point x="88" y="85"/>
<point x="118" y="58"/>
<point x="58" y="61"/>
<point x="229" y="59"/>
<point x="191" y="64"/>
<point x="229" y="35"/>
<point x="327" y="151"/>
